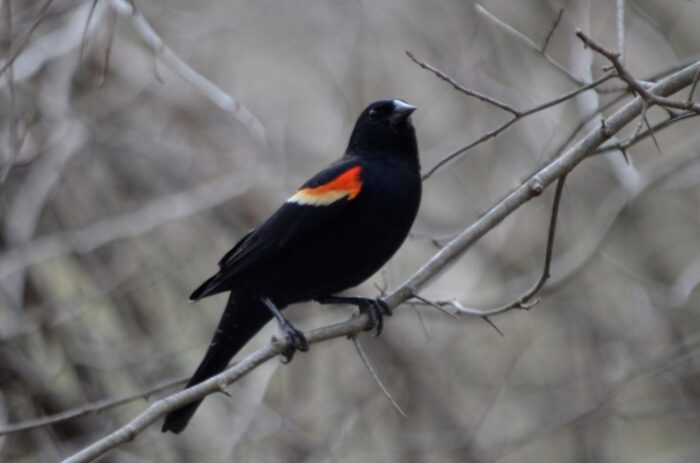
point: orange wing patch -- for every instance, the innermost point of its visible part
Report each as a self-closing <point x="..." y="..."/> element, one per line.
<point x="348" y="184"/>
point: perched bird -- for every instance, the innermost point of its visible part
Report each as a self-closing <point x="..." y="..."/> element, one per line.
<point x="336" y="231"/>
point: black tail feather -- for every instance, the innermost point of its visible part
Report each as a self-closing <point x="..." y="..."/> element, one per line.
<point x="239" y="322"/>
<point x="205" y="289"/>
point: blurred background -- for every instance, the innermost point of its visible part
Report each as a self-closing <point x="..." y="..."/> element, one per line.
<point x="126" y="174"/>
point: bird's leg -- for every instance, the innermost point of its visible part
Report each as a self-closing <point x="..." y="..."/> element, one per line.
<point x="374" y="308"/>
<point x="295" y="338"/>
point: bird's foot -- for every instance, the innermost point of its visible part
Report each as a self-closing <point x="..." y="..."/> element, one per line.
<point x="375" y="309"/>
<point x="296" y="341"/>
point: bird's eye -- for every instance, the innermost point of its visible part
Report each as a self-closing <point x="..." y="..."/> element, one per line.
<point x="373" y="114"/>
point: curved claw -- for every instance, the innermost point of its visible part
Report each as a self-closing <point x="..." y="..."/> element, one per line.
<point x="375" y="309"/>
<point x="296" y="341"/>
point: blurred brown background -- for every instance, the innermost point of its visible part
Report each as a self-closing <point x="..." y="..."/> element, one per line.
<point x="131" y="182"/>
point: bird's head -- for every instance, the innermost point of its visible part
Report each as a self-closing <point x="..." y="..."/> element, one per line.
<point x="384" y="128"/>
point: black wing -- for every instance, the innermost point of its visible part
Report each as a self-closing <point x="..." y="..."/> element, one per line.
<point x="288" y="224"/>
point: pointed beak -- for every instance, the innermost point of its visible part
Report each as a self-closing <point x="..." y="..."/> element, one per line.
<point x="402" y="111"/>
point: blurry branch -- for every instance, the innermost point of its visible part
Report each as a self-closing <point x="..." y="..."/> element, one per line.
<point x="541" y="50"/>
<point x="143" y="220"/>
<point x="694" y="86"/>
<point x="621" y="29"/>
<point x="80" y="25"/>
<point x="546" y="175"/>
<point x="24" y="212"/>
<point x="16" y="136"/>
<point x="93" y="407"/>
<point x="83" y="39"/>
<point x="24" y="40"/>
<point x="683" y="286"/>
<point x="107" y="54"/>
<point x="637" y="86"/>
<point x="28" y="58"/>
<point x="13" y="139"/>
<point x="222" y="99"/>
<point x="606" y="398"/>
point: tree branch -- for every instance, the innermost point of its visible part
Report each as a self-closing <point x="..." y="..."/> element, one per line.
<point x="375" y="376"/>
<point x="497" y="131"/>
<point x="621" y="29"/>
<point x="525" y="301"/>
<point x="14" y="137"/>
<point x="43" y="11"/>
<point x="222" y="99"/>
<point x="636" y="85"/>
<point x="529" y="43"/>
<point x="157" y="212"/>
<point x="555" y="24"/>
<point x="460" y="88"/>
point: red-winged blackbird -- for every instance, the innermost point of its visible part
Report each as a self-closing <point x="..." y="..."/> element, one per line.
<point x="336" y="231"/>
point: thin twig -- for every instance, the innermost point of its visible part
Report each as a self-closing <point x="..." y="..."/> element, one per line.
<point x="152" y="215"/>
<point x="219" y="97"/>
<point x="497" y="131"/>
<point x="652" y="77"/>
<point x="636" y="85"/>
<point x="14" y="137"/>
<point x="545" y="44"/>
<point x="41" y="15"/>
<point x="422" y="322"/>
<point x="437" y="306"/>
<point x="460" y="88"/>
<point x="651" y="133"/>
<point x="374" y="375"/>
<point x="493" y="325"/>
<point x="111" y="25"/>
<point x="526" y="301"/>
<point x="693" y="87"/>
<point x="440" y="305"/>
<point x="614" y="101"/>
<point x="529" y="43"/>
<point x="645" y="134"/>
<point x="83" y="39"/>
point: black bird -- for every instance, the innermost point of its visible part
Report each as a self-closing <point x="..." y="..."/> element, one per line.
<point x="336" y="231"/>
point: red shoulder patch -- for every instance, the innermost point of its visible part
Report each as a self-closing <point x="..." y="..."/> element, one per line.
<point x="346" y="185"/>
